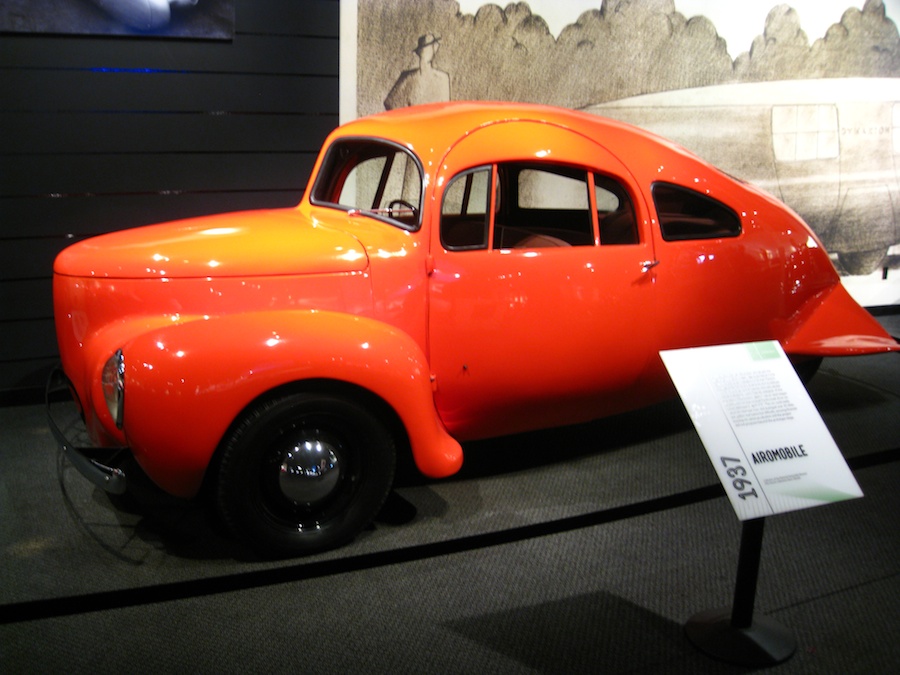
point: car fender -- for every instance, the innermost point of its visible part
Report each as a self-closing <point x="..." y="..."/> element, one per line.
<point x="833" y="324"/>
<point x="186" y="384"/>
<point x="83" y="358"/>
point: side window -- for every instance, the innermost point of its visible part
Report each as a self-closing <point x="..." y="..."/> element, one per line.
<point x="465" y="211"/>
<point x="615" y="212"/>
<point x="542" y="205"/>
<point x="805" y="132"/>
<point x="376" y="177"/>
<point x="685" y="214"/>
<point x="544" y="189"/>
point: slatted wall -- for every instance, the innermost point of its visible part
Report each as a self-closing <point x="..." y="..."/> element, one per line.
<point x="100" y="134"/>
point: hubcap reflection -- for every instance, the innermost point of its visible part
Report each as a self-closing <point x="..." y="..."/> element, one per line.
<point x="310" y="471"/>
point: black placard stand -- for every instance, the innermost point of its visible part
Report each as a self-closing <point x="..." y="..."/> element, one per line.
<point x="735" y="634"/>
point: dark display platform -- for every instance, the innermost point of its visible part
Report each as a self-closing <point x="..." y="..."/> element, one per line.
<point x="584" y="549"/>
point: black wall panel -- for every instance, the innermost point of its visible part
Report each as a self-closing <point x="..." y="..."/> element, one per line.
<point x="101" y="134"/>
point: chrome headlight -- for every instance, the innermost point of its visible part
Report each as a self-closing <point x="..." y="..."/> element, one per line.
<point x="114" y="386"/>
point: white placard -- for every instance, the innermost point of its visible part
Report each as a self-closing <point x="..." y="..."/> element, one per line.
<point x="762" y="432"/>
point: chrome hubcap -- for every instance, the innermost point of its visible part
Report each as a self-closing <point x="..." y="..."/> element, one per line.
<point x="310" y="470"/>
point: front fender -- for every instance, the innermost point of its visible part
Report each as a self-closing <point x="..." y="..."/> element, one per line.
<point x="185" y="384"/>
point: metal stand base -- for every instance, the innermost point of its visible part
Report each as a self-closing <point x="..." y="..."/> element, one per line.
<point x="764" y="643"/>
<point x="737" y="634"/>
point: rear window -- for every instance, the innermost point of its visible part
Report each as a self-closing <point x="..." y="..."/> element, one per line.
<point x="685" y="214"/>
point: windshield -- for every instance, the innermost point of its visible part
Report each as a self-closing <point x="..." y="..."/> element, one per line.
<point x="374" y="177"/>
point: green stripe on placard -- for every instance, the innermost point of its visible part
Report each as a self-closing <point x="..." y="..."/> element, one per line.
<point x="815" y="492"/>
<point x="761" y="351"/>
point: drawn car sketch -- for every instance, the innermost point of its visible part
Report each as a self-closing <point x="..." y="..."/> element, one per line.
<point x="828" y="148"/>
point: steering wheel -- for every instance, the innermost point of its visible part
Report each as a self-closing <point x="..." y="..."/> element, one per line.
<point x="399" y="204"/>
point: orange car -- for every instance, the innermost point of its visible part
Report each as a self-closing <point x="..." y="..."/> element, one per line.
<point x="453" y="272"/>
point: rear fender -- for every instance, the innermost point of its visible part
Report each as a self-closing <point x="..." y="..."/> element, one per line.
<point x="833" y="324"/>
<point x="185" y="384"/>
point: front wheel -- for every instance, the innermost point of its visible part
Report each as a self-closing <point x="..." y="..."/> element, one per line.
<point x="304" y="473"/>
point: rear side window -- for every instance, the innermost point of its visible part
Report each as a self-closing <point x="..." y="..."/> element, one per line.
<point x="615" y="212"/>
<point x="685" y="214"/>
<point x="542" y="205"/>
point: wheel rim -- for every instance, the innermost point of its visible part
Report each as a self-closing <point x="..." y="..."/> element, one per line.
<point x="309" y="476"/>
<point x="304" y="473"/>
<point x="310" y="469"/>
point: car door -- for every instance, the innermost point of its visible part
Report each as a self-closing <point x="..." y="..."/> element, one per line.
<point x="722" y="278"/>
<point x="541" y="294"/>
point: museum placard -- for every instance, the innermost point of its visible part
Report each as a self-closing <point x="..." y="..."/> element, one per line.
<point x="764" y="436"/>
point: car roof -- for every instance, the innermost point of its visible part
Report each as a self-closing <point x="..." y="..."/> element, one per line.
<point x="431" y="129"/>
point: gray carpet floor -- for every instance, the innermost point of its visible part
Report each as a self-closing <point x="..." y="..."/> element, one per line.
<point x="575" y="550"/>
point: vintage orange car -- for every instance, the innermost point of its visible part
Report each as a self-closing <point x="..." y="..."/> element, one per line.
<point x="453" y="272"/>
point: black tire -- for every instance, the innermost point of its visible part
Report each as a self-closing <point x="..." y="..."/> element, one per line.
<point x="279" y="507"/>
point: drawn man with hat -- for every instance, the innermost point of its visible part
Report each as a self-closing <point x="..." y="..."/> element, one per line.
<point x="425" y="84"/>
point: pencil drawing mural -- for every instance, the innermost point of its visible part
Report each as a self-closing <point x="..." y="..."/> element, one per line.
<point x="813" y="119"/>
<point x="424" y="84"/>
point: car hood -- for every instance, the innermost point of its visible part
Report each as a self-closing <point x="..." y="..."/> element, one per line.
<point x="244" y="244"/>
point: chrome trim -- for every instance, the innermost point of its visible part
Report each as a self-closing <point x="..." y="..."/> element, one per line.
<point x="108" y="478"/>
<point x="310" y="469"/>
<point x="114" y="379"/>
